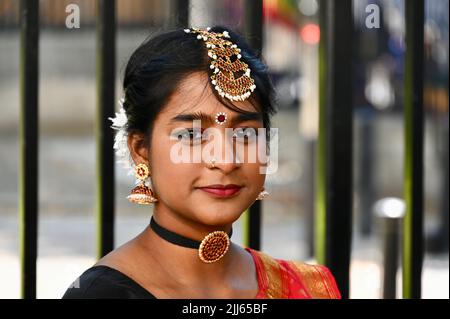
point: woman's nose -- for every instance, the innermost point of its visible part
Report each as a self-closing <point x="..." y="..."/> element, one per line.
<point x="225" y="155"/>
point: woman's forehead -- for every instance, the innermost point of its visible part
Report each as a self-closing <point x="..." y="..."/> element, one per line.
<point x="194" y="94"/>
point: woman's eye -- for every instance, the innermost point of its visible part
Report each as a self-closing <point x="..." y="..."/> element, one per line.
<point x="189" y="134"/>
<point x="245" y="134"/>
<point x="241" y="135"/>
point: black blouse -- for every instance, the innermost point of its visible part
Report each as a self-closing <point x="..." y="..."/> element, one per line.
<point x="103" y="282"/>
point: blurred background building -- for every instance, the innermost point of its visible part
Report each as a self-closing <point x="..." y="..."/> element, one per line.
<point x="67" y="104"/>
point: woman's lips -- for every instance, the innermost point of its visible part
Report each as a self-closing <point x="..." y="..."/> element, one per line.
<point x="222" y="191"/>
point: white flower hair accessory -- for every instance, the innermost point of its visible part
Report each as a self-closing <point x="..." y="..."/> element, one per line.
<point x="119" y="123"/>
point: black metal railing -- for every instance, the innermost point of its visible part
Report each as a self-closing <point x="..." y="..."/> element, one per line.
<point x="28" y="144"/>
<point x="414" y="151"/>
<point x="106" y="75"/>
<point x="334" y="169"/>
<point x="253" y="31"/>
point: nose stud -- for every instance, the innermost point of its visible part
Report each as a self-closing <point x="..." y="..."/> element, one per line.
<point x="212" y="163"/>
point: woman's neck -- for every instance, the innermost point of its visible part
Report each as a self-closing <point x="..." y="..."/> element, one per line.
<point x="184" y="226"/>
<point x="183" y="263"/>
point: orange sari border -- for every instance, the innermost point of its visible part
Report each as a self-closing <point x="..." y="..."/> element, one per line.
<point x="282" y="279"/>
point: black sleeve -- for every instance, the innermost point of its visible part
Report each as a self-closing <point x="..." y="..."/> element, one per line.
<point x="102" y="283"/>
<point x="101" y="287"/>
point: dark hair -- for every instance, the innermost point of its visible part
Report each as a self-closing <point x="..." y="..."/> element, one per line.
<point x="160" y="63"/>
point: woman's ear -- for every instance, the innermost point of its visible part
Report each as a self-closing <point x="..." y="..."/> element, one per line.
<point x="139" y="150"/>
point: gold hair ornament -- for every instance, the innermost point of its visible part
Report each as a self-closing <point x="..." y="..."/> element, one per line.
<point x="231" y="76"/>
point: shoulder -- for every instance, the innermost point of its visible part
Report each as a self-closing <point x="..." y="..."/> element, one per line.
<point x="102" y="282"/>
<point x="303" y="279"/>
<point x="318" y="279"/>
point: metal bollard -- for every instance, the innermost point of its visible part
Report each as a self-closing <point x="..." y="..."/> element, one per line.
<point x="390" y="211"/>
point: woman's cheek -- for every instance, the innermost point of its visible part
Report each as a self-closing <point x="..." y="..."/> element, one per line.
<point x="173" y="179"/>
<point x="255" y="177"/>
<point x="161" y="166"/>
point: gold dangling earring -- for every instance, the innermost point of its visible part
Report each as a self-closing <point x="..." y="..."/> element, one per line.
<point x="142" y="194"/>
<point x="262" y="195"/>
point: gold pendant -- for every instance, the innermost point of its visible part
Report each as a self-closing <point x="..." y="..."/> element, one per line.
<point x="214" y="246"/>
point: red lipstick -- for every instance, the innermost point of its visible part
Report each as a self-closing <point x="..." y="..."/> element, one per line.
<point x="222" y="190"/>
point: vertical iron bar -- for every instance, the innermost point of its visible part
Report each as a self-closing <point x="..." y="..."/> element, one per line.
<point x="391" y="252"/>
<point x="28" y="139"/>
<point x="365" y="185"/>
<point x="253" y="24"/>
<point x="106" y="75"/>
<point x="322" y="151"/>
<point x="413" y="165"/>
<point x="310" y="147"/>
<point x="335" y="151"/>
<point x="182" y="13"/>
<point x="253" y="30"/>
<point x="390" y="212"/>
<point x="443" y="206"/>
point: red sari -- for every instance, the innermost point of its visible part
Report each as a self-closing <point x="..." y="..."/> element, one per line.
<point x="282" y="279"/>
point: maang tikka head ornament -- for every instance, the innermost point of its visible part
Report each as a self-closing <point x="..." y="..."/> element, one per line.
<point x="226" y="76"/>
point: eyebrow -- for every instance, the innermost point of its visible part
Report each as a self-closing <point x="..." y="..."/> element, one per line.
<point x="240" y="117"/>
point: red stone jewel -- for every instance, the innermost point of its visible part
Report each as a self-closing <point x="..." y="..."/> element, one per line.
<point x="141" y="171"/>
<point x="221" y="118"/>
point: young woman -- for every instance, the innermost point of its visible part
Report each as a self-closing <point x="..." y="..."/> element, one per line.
<point x="182" y="88"/>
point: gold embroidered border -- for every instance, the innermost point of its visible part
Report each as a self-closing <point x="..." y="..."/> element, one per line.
<point x="317" y="281"/>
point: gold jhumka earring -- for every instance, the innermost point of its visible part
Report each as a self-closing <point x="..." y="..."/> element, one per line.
<point x="142" y="194"/>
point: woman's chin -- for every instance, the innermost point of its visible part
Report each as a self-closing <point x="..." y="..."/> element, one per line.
<point x="217" y="217"/>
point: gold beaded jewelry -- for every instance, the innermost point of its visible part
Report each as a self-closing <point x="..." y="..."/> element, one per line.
<point x="214" y="246"/>
<point x="230" y="78"/>
<point x="142" y="194"/>
<point x="262" y="195"/>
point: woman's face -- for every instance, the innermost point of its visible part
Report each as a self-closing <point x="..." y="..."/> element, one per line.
<point x="178" y="186"/>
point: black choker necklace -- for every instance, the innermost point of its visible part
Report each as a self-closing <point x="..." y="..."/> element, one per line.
<point x="213" y="247"/>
